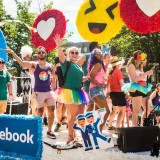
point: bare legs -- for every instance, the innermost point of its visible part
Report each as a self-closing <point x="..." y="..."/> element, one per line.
<point x="50" y="109"/>
<point x="136" y="106"/>
<point x="120" y="117"/>
<point x="59" y="112"/>
<point x="73" y="110"/>
<point x="33" y="104"/>
<point x="101" y="102"/>
<point x="121" y="111"/>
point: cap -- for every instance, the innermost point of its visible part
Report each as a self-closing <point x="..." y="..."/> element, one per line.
<point x="80" y="117"/>
<point x="89" y="114"/>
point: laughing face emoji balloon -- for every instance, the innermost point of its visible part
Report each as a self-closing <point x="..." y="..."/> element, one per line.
<point x="99" y="20"/>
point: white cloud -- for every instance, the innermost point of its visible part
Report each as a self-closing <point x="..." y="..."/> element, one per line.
<point x="68" y="7"/>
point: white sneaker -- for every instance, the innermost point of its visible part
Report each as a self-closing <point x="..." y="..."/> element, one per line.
<point x="66" y="146"/>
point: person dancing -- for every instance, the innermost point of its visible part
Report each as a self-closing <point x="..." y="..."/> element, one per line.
<point x="71" y="93"/>
<point x="43" y="93"/>
<point x="138" y="87"/>
<point x="116" y="81"/>
<point x="97" y="72"/>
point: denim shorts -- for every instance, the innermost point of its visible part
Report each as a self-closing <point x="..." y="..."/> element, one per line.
<point x="96" y="91"/>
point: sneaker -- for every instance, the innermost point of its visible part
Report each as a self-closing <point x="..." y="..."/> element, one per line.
<point x="51" y="135"/>
<point x="66" y="146"/>
<point x="57" y="127"/>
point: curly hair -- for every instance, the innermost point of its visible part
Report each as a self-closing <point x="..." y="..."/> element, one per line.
<point x="94" y="60"/>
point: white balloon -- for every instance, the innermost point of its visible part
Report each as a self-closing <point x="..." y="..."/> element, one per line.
<point x="149" y="7"/>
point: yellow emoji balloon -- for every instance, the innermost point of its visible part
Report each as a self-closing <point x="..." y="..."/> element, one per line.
<point x="99" y="20"/>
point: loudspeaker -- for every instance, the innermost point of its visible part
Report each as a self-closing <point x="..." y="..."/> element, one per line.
<point x="137" y="139"/>
<point x="17" y="108"/>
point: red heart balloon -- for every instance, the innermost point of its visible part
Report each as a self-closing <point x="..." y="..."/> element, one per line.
<point x="48" y="24"/>
<point x="136" y="19"/>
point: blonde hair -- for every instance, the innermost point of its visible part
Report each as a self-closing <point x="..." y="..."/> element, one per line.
<point x="137" y="63"/>
<point x="68" y="50"/>
<point x="71" y="48"/>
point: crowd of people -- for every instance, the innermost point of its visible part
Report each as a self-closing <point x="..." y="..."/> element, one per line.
<point x="89" y="83"/>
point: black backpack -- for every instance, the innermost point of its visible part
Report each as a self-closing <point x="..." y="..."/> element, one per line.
<point x="59" y="73"/>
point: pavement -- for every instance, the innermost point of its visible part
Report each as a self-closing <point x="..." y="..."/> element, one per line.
<point x="50" y="153"/>
<point x="112" y="153"/>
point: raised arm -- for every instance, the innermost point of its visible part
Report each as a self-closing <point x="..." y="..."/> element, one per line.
<point x="58" y="42"/>
<point x="81" y="60"/>
<point x="24" y="64"/>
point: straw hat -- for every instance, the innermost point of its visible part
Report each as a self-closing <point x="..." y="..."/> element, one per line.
<point x="116" y="61"/>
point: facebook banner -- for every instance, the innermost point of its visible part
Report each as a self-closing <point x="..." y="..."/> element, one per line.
<point x="20" y="136"/>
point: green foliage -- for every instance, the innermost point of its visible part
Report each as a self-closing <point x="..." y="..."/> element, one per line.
<point x="2" y="11"/>
<point x="128" y="41"/>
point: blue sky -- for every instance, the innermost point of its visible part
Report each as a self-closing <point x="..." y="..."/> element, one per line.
<point x="68" y="7"/>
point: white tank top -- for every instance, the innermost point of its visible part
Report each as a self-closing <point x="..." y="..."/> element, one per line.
<point x="138" y="73"/>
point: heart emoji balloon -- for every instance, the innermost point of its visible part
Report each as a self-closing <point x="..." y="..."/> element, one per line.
<point x="141" y="16"/>
<point x="48" y="24"/>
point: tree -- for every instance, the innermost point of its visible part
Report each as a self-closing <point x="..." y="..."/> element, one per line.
<point x="127" y="41"/>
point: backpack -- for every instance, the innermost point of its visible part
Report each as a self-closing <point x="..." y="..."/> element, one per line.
<point x="61" y="77"/>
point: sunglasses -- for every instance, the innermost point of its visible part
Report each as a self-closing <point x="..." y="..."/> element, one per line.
<point x="99" y="53"/>
<point x="41" y="52"/>
<point x="2" y="62"/>
<point x="76" y="53"/>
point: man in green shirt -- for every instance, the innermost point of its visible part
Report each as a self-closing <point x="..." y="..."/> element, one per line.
<point x="5" y="81"/>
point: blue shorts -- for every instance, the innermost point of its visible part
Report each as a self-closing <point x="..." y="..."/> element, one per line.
<point x="96" y="91"/>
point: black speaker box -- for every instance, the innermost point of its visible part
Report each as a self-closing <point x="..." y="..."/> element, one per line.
<point x="17" y="108"/>
<point x="137" y="139"/>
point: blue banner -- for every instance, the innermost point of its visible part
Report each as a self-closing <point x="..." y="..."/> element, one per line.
<point x="21" y="135"/>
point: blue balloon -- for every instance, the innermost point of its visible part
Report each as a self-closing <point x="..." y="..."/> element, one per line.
<point x="3" y="54"/>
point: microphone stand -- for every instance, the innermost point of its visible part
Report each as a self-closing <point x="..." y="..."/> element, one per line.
<point x="146" y="121"/>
